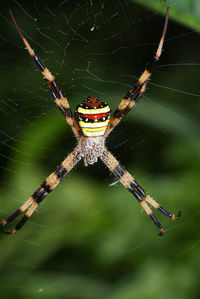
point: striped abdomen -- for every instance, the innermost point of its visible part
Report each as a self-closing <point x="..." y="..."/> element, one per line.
<point x="93" y="116"/>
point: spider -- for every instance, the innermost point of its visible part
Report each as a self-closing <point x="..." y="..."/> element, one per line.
<point x="91" y="124"/>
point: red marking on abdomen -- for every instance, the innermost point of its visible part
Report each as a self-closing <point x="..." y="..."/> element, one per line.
<point x="93" y="116"/>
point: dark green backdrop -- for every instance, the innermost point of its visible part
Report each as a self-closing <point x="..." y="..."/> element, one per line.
<point x="89" y="238"/>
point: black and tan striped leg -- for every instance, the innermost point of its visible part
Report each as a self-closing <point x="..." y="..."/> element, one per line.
<point x="57" y="94"/>
<point x="46" y="187"/>
<point x="134" y="95"/>
<point x="132" y="186"/>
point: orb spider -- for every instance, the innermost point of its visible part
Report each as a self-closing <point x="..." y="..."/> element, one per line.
<point x="91" y="124"/>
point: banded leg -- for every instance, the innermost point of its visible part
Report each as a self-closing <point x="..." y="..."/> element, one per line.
<point x="56" y="92"/>
<point x="137" y="91"/>
<point x="132" y="186"/>
<point x="46" y="187"/>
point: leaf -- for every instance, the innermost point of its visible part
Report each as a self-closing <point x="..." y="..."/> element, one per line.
<point x="186" y="12"/>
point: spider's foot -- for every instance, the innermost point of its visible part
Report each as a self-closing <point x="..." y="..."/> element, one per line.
<point x="176" y="216"/>
<point x="161" y="231"/>
<point x="13" y="231"/>
<point x="3" y="222"/>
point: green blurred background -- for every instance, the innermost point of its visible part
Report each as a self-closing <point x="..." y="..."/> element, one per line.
<point x="89" y="238"/>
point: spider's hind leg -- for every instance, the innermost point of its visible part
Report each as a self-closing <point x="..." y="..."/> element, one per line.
<point x="144" y="198"/>
<point x="156" y="205"/>
<point x="31" y="204"/>
<point x="132" y="186"/>
<point x="46" y="187"/>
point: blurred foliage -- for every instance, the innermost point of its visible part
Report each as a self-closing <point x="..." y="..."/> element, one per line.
<point x="89" y="239"/>
<point x="186" y="12"/>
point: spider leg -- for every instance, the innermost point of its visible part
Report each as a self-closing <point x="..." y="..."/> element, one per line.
<point x="137" y="91"/>
<point x="132" y="186"/>
<point x="46" y="187"/>
<point x="56" y="92"/>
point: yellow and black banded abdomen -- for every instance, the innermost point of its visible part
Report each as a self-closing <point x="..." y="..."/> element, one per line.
<point x="93" y="116"/>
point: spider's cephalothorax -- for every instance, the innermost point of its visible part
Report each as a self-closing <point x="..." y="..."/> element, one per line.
<point x="90" y="149"/>
<point x="93" y="116"/>
<point x="91" y="126"/>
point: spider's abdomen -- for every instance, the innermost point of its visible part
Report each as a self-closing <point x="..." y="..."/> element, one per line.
<point x="93" y="116"/>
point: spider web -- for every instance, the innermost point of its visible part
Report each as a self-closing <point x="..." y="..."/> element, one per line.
<point x="89" y="239"/>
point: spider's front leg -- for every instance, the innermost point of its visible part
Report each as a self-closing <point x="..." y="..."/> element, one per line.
<point x="135" y="94"/>
<point x="132" y="186"/>
<point x="56" y="92"/>
<point x="46" y="187"/>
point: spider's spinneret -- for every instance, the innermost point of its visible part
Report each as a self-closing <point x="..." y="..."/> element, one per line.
<point x="93" y="116"/>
